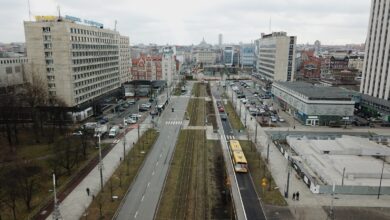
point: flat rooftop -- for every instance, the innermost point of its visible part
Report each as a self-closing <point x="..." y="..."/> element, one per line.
<point x="317" y="92"/>
<point x="356" y="156"/>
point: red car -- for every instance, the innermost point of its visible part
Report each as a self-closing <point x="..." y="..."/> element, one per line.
<point x="220" y="109"/>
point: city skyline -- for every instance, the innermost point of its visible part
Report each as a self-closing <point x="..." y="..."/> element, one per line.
<point x="175" y="22"/>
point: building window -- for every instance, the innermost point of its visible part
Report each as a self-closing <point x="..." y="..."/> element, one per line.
<point x="8" y="70"/>
<point x="46" y="29"/>
<point x="17" y="69"/>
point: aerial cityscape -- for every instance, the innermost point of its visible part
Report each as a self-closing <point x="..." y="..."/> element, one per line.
<point x="195" y="110"/>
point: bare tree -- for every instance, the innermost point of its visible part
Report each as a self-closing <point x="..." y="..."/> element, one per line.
<point x="66" y="153"/>
<point x="35" y="95"/>
<point x="11" y="193"/>
<point x="28" y="182"/>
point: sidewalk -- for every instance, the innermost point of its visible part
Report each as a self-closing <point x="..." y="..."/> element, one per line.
<point x="75" y="204"/>
<point x="73" y="207"/>
<point x="308" y="207"/>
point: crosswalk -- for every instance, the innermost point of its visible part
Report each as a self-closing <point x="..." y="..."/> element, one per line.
<point x="116" y="141"/>
<point x="173" y="122"/>
<point x="230" y="137"/>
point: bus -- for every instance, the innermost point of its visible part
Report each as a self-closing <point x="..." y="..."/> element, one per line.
<point x="239" y="161"/>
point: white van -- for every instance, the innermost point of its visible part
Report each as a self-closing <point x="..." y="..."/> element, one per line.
<point x="113" y="131"/>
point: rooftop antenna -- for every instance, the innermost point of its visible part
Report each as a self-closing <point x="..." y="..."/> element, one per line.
<point x="59" y="11"/>
<point x="270" y="25"/>
<point x="29" y="10"/>
<point x="115" y="25"/>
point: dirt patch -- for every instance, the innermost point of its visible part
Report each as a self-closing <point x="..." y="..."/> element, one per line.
<point x="360" y="213"/>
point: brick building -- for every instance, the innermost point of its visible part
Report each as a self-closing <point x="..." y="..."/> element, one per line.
<point x="147" y="68"/>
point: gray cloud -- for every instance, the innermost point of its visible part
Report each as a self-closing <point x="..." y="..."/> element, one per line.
<point x="186" y="22"/>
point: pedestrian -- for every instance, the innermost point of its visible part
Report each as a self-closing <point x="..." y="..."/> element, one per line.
<point x="88" y="191"/>
<point x="293" y="198"/>
<point x="297" y="195"/>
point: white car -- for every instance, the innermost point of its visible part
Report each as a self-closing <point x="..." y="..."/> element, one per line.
<point x="244" y="100"/>
<point x="135" y="115"/>
<point x="130" y="121"/>
<point x="281" y="119"/>
<point x="274" y="119"/>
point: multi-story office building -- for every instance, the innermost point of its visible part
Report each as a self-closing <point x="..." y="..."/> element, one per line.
<point x="79" y="62"/>
<point x="205" y="56"/>
<point x="275" y="56"/>
<point x="124" y="54"/>
<point x="228" y="55"/>
<point x="14" y="71"/>
<point x="375" y="82"/>
<point x="220" y="40"/>
<point x="247" y="55"/>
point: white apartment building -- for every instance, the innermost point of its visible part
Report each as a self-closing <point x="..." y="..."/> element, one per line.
<point x="375" y="78"/>
<point x="14" y="71"/>
<point x="125" y="56"/>
<point x="275" y="56"/>
<point x="79" y="62"/>
<point x="168" y="64"/>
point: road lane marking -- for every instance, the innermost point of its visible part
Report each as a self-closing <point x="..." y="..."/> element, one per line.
<point x="148" y="185"/>
<point x="160" y="155"/>
<point x="157" y="163"/>
<point x="153" y="173"/>
<point x="142" y="199"/>
<point x="136" y="213"/>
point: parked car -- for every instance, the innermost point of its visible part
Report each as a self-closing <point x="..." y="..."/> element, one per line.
<point x="137" y="116"/>
<point x="221" y="109"/>
<point x="154" y="112"/>
<point x="130" y="120"/>
<point x="77" y="133"/>
<point x="101" y="130"/>
<point x="281" y="119"/>
<point x="131" y="102"/>
<point x="113" y="131"/>
<point x="223" y="117"/>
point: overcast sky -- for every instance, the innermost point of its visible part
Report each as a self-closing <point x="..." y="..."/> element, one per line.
<point x="184" y="22"/>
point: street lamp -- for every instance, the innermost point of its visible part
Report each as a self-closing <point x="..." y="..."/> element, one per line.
<point x="380" y="181"/>
<point x="100" y="164"/>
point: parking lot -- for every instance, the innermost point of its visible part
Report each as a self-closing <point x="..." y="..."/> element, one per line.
<point x="258" y="102"/>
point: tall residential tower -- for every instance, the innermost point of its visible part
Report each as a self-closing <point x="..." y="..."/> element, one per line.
<point x="375" y="82"/>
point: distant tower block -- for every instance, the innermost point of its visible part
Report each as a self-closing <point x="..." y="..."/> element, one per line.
<point x="220" y="40"/>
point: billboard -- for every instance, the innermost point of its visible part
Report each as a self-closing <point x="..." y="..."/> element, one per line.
<point x="45" y="18"/>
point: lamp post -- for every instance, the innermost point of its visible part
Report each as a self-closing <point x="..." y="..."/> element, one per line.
<point x="100" y="165"/>
<point x="380" y="181"/>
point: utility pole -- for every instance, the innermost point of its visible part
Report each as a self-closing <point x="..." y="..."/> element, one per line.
<point x="246" y="112"/>
<point x="342" y="180"/>
<point x="256" y="130"/>
<point x="124" y="147"/>
<point x="288" y="177"/>
<point x="56" y="212"/>
<point x="380" y="181"/>
<point x="331" y="204"/>
<point x="268" y="153"/>
<point x="100" y="165"/>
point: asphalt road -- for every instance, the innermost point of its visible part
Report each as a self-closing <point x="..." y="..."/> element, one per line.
<point x="252" y="206"/>
<point x="143" y="197"/>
